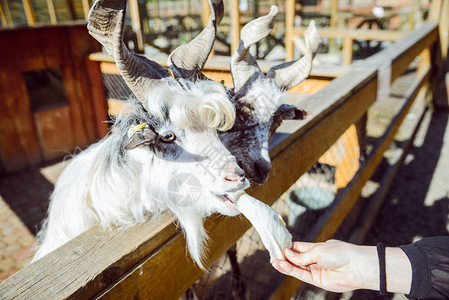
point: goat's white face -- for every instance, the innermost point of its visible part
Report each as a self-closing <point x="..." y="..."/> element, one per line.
<point x="183" y="133"/>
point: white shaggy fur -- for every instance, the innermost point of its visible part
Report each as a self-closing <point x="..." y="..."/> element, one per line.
<point x="110" y="185"/>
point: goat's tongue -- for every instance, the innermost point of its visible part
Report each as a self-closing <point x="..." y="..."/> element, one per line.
<point x="267" y="222"/>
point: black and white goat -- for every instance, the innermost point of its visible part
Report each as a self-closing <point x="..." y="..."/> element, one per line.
<point x="170" y="131"/>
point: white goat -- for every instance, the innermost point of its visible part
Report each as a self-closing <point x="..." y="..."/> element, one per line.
<point x="170" y="131"/>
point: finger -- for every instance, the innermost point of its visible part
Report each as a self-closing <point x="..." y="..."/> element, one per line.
<point x="302" y="246"/>
<point x="288" y="269"/>
<point x="303" y="258"/>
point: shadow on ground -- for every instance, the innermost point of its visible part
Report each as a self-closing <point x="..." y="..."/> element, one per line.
<point x="417" y="204"/>
<point x="27" y="194"/>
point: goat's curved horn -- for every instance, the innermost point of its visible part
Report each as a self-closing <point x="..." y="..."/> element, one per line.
<point x="188" y="60"/>
<point x="290" y="74"/>
<point x="105" y="24"/>
<point x="243" y="65"/>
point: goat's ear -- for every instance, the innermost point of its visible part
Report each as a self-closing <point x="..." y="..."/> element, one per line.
<point x="144" y="136"/>
<point x="291" y="112"/>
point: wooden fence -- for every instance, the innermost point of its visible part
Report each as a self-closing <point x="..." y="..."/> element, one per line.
<point x="149" y="261"/>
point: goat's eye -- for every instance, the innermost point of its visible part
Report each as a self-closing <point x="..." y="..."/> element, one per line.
<point x="168" y="137"/>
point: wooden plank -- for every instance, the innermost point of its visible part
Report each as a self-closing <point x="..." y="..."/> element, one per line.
<point x="82" y="44"/>
<point x="222" y="63"/>
<point x="55" y="131"/>
<point x="289" y="27"/>
<point x="92" y="260"/>
<point x="86" y="8"/>
<point x="9" y="18"/>
<point x="435" y="11"/>
<point x="235" y="25"/>
<point x="100" y="109"/>
<point x="3" y="19"/>
<point x="52" y="12"/>
<point x="444" y="30"/>
<point x="403" y="52"/>
<point x="29" y="50"/>
<point x="136" y="23"/>
<point x="347" y="51"/>
<point x="109" y="68"/>
<point x="29" y="12"/>
<point x="331" y="220"/>
<point x="356" y="34"/>
<point x="16" y="106"/>
<point x="71" y="89"/>
<point x="147" y="278"/>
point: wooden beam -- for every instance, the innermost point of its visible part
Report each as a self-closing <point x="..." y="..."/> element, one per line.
<point x="100" y="109"/>
<point x="3" y="19"/>
<point x="435" y="11"/>
<point x="403" y="52"/>
<point x="347" y="51"/>
<point x="444" y="30"/>
<point x="8" y="16"/>
<point x="289" y="27"/>
<point x="235" y="25"/>
<point x="29" y="12"/>
<point x="52" y="12"/>
<point x="86" y="8"/>
<point x="356" y="34"/>
<point x="136" y="24"/>
<point x="89" y="263"/>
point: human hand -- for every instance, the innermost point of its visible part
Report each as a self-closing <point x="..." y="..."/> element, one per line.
<point x="333" y="265"/>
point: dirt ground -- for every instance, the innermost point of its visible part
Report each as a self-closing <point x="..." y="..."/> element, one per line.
<point x="417" y="204"/>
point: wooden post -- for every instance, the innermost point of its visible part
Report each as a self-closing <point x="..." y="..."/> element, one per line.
<point x="8" y="16"/>
<point x="347" y="51"/>
<point x="3" y="16"/>
<point x="333" y="23"/>
<point x="205" y="12"/>
<point x="435" y="10"/>
<point x="29" y="12"/>
<point x="235" y="25"/>
<point x="136" y="23"/>
<point x="52" y="12"/>
<point x="86" y="8"/>
<point x="444" y="29"/>
<point x="289" y="24"/>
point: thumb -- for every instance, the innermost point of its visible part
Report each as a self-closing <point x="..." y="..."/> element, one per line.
<point x="303" y="258"/>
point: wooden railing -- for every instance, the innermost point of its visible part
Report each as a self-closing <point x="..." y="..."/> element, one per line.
<point x="150" y="261"/>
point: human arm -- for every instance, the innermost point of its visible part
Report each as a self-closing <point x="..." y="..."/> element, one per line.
<point x="338" y="266"/>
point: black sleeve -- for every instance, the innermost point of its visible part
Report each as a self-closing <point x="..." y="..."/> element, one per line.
<point x="430" y="267"/>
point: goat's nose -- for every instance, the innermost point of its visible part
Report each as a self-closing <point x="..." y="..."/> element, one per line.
<point x="235" y="174"/>
<point x="261" y="170"/>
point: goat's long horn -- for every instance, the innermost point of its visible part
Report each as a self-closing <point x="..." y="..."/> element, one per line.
<point x="188" y="60"/>
<point x="243" y="65"/>
<point x="105" y="24"/>
<point x="290" y="74"/>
